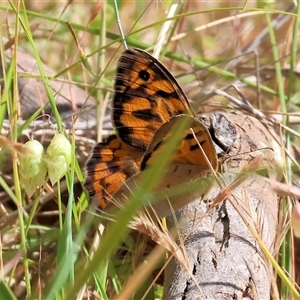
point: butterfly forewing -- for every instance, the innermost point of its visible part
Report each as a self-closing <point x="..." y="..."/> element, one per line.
<point x="146" y="96"/>
<point x="110" y="164"/>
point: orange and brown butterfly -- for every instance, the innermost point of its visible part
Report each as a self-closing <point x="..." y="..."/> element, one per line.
<point x="146" y="97"/>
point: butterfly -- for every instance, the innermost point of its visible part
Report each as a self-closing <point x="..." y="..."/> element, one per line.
<point x="147" y="102"/>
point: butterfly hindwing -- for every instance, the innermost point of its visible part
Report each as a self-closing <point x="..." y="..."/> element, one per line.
<point x="188" y="174"/>
<point x="188" y="150"/>
<point x="146" y="96"/>
<point x="110" y="164"/>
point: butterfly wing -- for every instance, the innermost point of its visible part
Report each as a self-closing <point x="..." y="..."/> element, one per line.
<point x="194" y="137"/>
<point x="146" y="96"/>
<point x="110" y="164"/>
<point x="187" y="177"/>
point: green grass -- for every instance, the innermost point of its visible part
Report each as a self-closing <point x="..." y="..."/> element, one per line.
<point x="55" y="258"/>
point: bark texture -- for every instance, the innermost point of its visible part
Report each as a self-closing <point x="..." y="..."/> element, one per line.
<point x="224" y="257"/>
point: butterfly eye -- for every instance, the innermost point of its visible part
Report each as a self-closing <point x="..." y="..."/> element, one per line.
<point x="144" y="75"/>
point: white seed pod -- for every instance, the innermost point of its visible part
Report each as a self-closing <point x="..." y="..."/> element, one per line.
<point x="58" y="157"/>
<point x="32" y="167"/>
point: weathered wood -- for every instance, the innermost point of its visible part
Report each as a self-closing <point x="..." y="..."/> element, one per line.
<point x="224" y="257"/>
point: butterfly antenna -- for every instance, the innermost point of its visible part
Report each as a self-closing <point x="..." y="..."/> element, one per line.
<point x="119" y="24"/>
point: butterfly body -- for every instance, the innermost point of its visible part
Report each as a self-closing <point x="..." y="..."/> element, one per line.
<point x="147" y="103"/>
